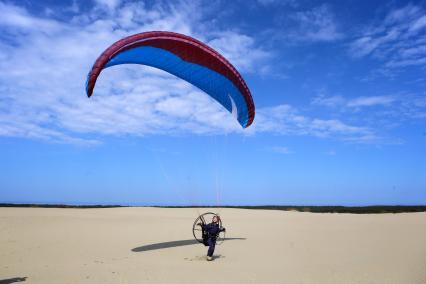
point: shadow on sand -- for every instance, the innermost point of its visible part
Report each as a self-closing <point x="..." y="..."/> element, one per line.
<point x="13" y="280"/>
<point x="172" y="244"/>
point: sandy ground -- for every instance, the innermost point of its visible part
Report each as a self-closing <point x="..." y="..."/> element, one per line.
<point x="155" y="245"/>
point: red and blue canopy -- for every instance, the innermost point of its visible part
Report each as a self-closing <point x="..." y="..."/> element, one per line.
<point x="186" y="58"/>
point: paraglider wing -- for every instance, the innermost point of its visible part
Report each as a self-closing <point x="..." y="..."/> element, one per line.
<point x="186" y="58"/>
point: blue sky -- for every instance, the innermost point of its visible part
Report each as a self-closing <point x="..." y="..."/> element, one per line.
<point x="339" y="89"/>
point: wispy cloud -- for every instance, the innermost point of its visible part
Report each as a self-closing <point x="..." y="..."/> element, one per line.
<point x="20" y="20"/>
<point x="109" y="4"/>
<point x="357" y="102"/>
<point x="286" y="120"/>
<point x="280" y="150"/>
<point x="317" y="24"/>
<point x="329" y="101"/>
<point x="292" y="3"/>
<point x="377" y="112"/>
<point x="402" y="105"/>
<point x="397" y="40"/>
<point x="240" y="49"/>
<point x="371" y="101"/>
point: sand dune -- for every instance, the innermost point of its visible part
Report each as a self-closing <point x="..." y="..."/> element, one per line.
<point x="155" y="245"/>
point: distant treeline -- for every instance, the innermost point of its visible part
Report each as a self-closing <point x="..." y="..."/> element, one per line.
<point x="57" y="205"/>
<point x="375" y="209"/>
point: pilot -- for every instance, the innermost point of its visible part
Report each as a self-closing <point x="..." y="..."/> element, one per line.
<point x="210" y="233"/>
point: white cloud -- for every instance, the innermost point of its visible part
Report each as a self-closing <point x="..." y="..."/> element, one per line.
<point x="368" y="44"/>
<point x="239" y="49"/>
<point x="110" y="4"/>
<point x="397" y="40"/>
<point x="403" y="104"/>
<point x="378" y="112"/>
<point x="291" y="3"/>
<point x="43" y="70"/>
<point x="418" y="24"/>
<point x="317" y="24"/>
<point x="406" y="62"/>
<point x="74" y="8"/>
<point x="332" y="126"/>
<point x="280" y="150"/>
<point x="357" y="102"/>
<point x="413" y="52"/>
<point x="371" y="101"/>
<point x="402" y="14"/>
<point x="42" y="77"/>
<point x="286" y="120"/>
<point x="13" y="126"/>
<point x="328" y="101"/>
<point x="19" y="19"/>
